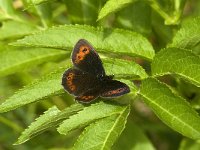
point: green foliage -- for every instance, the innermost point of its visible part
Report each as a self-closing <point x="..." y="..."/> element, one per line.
<point x="46" y="86"/>
<point x="170" y="108"/>
<point x="51" y="118"/>
<point x="188" y="35"/>
<point x="15" y="59"/>
<point x="113" y="126"/>
<point x="8" y="30"/>
<point x="135" y="39"/>
<point x="112" y="6"/>
<point x="101" y="110"/>
<point x="106" y="40"/>
<point x="177" y="61"/>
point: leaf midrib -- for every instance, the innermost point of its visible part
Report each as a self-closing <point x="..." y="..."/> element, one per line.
<point x="112" y="129"/>
<point x="178" y="119"/>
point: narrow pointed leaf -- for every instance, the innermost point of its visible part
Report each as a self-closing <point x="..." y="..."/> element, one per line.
<point x="96" y="111"/>
<point x="179" y="61"/>
<point x="189" y="34"/>
<point x="46" y="86"/>
<point x="14" y="60"/>
<point x="170" y="108"/>
<point x="112" y="6"/>
<point x="51" y="118"/>
<point x="111" y="41"/>
<point x="103" y="133"/>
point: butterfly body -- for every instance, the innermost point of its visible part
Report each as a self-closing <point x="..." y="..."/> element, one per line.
<point x="87" y="79"/>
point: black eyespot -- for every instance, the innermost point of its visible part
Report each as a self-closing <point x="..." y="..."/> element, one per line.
<point x="84" y="50"/>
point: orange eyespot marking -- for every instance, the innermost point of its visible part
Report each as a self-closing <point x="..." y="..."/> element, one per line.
<point x="71" y="74"/>
<point x="69" y="78"/>
<point x="83" y="51"/>
<point x="115" y="91"/>
<point x="69" y="82"/>
<point x="72" y="87"/>
<point x="87" y="97"/>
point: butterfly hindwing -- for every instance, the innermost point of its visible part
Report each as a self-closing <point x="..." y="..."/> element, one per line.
<point x="86" y="58"/>
<point x="89" y="95"/>
<point x="77" y="82"/>
<point x="114" y="88"/>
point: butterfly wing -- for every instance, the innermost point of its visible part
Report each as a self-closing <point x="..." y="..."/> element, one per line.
<point x="114" y="88"/>
<point x="77" y="82"/>
<point x="89" y="95"/>
<point x="86" y="58"/>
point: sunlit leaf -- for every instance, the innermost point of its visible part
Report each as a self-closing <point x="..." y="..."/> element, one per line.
<point x="107" y="130"/>
<point x="189" y="34"/>
<point x="96" y="111"/>
<point x="177" y="61"/>
<point x="110" y="41"/>
<point x="51" y="118"/>
<point x="170" y="108"/>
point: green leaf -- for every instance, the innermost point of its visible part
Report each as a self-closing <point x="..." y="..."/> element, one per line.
<point x="171" y="11"/>
<point x="179" y="61"/>
<point x="95" y="111"/>
<point x="87" y="11"/>
<point x="48" y="85"/>
<point x="189" y="34"/>
<point x="7" y="10"/>
<point x="112" y="6"/>
<point x="189" y="144"/>
<point x="8" y="29"/>
<point x="14" y="60"/>
<point x="51" y="118"/>
<point x="123" y="68"/>
<point x="111" y="41"/>
<point x="103" y="133"/>
<point x="137" y="21"/>
<point x="170" y="108"/>
<point x="45" y="13"/>
<point x="36" y="2"/>
<point x="128" y="140"/>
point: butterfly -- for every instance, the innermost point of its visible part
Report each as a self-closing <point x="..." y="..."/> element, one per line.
<point x="87" y="79"/>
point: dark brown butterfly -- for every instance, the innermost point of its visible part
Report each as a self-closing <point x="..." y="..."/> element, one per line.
<point x="87" y="79"/>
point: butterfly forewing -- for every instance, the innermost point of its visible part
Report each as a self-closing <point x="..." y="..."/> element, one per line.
<point x="86" y="58"/>
<point x="77" y="82"/>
